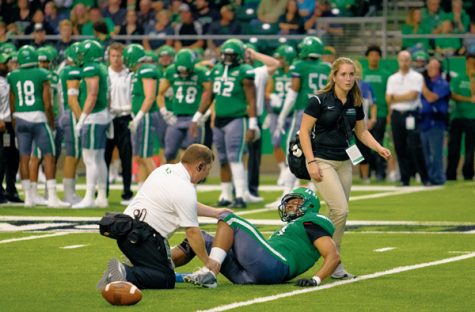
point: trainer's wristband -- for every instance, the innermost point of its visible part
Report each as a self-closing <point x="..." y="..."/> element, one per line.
<point x="253" y="123"/>
<point x="311" y="161"/>
<point x="196" y="117"/>
<point x="317" y="279"/>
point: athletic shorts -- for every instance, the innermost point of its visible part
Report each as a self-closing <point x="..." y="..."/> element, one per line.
<point x="142" y="140"/>
<point x="93" y="136"/>
<point x="230" y="140"/>
<point x="72" y="144"/>
<point x="30" y="134"/>
<point x="178" y="136"/>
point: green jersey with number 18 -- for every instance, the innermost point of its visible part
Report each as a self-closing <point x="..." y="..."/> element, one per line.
<point x="313" y="76"/>
<point x="27" y="85"/>
<point x="230" y="98"/>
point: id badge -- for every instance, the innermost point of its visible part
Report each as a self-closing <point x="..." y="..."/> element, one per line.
<point x="6" y="139"/>
<point x="355" y="155"/>
<point x="410" y="123"/>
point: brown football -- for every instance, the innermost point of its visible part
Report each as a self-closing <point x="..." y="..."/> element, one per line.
<point x="121" y="293"/>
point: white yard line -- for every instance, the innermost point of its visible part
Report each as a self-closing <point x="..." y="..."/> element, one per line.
<point x="72" y="246"/>
<point x="6" y="241"/>
<point x="384" y="249"/>
<point x="339" y="283"/>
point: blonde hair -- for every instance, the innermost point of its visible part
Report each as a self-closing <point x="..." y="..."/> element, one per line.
<point x="65" y="23"/>
<point x="197" y="153"/>
<point x="355" y="91"/>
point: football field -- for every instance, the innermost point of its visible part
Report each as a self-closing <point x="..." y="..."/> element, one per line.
<point x="413" y="249"/>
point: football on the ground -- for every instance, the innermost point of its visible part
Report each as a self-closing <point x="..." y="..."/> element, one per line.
<point x="121" y="293"/>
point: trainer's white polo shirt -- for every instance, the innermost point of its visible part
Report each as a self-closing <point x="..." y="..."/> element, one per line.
<point x="120" y="92"/>
<point x="169" y="198"/>
<point x="400" y="84"/>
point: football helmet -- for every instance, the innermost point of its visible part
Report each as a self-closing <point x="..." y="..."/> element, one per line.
<point x="151" y="57"/>
<point x="44" y="55"/>
<point x="232" y="52"/>
<point x="7" y="48"/>
<point x="71" y="53"/>
<point x="133" y="54"/>
<point x="185" y="61"/>
<point x="27" y="56"/>
<point x="310" y="47"/>
<point x="309" y="203"/>
<point x="90" y="51"/>
<point x="286" y="52"/>
<point x="166" y="54"/>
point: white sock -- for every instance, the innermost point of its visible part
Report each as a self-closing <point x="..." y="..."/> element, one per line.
<point x="246" y="181"/>
<point x="91" y="173"/>
<point x="282" y="166"/>
<point x="289" y="180"/>
<point x="237" y="170"/>
<point x="51" y="186"/>
<point x="34" y="189"/>
<point x="26" y="188"/>
<point x="68" y="185"/>
<point x="226" y="190"/>
<point x="217" y="254"/>
<point x="101" y="168"/>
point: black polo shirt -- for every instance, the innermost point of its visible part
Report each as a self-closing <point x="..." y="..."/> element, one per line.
<point x="328" y="138"/>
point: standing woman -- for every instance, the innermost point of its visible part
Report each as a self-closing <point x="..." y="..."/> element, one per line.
<point x="326" y="134"/>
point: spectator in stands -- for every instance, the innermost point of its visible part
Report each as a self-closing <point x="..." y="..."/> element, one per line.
<point x="306" y="8"/>
<point x="39" y="18"/>
<point x="22" y="15"/>
<point x="204" y="14"/>
<point x="459" y="17"/>
<point x="95" y="16"/>
<point x="115" y="13"/>
<point x="161" y="28"/>
<point x="102" y="34"/>
<point x="433" y="15"/>
<point x="462" y="121"/>
<point x="414" y="26"/>
<point x="39" y="36"/>
<point x="3" y="33"/>
<point x="469" y="43"/>
<point x="227" y="25"/>
<point x="291" y="22"/>
<point x="65" y="33"/>
<point x="447" y="46"/>
<point x="434" y="116"/>
<point x="329" y="30"/>
<point x="269" y="11"/>
<point x="79" y="16"/>
<point x="329" y="54"/>
<point x="188" y="26"/>
<point x="52" y="17"/>
<point x="131" y="27"/>
<point x="146" y="14"/>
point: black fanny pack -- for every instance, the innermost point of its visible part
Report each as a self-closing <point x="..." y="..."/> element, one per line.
<point x="296" y="160"/>
<point x="121" y="226"/>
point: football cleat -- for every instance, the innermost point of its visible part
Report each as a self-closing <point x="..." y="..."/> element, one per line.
<point x="249" y="198"/>
<point x="238" y="203"/>
<point x="203" y="277"/>
<point x="341" y="273"/>
<point x="223" y="203"/>
<point x="115" y="272"/>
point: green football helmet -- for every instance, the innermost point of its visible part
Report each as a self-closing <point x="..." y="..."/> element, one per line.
<point x="185" y="61"/>
<point x="151" y="57"/>
<point x="286" y="52"/>
<point x="420" y="55"/>
<point x="166" y="50"/>
<point x="133" y="54"/>
<point x="71" y="53"/>
<point x="309" y="203"/>
<point x="90" y="51"/>
<point x="44" y="55"/>
<point x="27" y="56"/>
<point x="310" y="47"/>
<point x="7" y="48"/>
<point x="232" y="52"/>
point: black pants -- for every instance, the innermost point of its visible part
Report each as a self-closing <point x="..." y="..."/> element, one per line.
<point x="408" y="148"/>
<point x="123" y="142"/>
<point x="152" y="266"/>
<point x="458" y="127"/>
<point x="254" y="165"/>
<point x="9" y="161"/>
<point x="378" y="163"/>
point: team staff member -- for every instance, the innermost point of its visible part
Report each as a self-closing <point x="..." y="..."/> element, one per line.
<point x="402" y="94"/>
<point x="121" y="109"/>
<point x="334" y="112"/>
<point x="165" y="209"/>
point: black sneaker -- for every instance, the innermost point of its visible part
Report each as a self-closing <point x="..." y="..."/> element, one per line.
<point x="223" y="203"/>
<point x="3" y="200"/>
<point x="13" y="198"/>
<point x="238" y="203"/>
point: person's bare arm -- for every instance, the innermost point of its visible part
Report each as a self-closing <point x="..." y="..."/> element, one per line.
<point x="164" y="85"/>
<point x="327" y="249"/>
<point x="73" y="93"/>
<point x="367" y="139"/>
<point x="271" y="63"/>
<point x="47" y="104"/>
<point x="197" y="243"/>
<point x="208" y="211"/>
<point x="92" y="84"/>
<point x="305" y="141"/>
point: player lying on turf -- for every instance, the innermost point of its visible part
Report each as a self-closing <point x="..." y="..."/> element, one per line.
<point x="246" y="257"/>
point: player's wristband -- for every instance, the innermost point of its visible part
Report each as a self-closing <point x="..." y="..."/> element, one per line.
<point x="196" y="117"/>
<point x="317" y="279"/>
<point x="253" y="123"/>
<point x="73" y="92"/>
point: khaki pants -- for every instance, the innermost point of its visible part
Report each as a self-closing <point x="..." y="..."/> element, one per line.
<point x="334" y="189"/>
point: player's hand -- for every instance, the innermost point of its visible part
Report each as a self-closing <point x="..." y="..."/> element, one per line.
<point x="384" y="152"/>
<point x="133" y="125"/>
<point x="79" y="125"/>
<point x="219" y="211"/>
<point x="194" y="129"/>
<point x="306" y="282"/>
<point x="250" y="135"/>
<point x="280" y="126"/>
<point x="168" y="116"/>
<point x="213" y="266"/>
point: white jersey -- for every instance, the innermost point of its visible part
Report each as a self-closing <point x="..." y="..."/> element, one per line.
<point x="4" y="100"/>
<point x="169" y="198"/>
<point x="400" y="84"/>
<point x="260" y="81"/>
<point x="120" y="92"/>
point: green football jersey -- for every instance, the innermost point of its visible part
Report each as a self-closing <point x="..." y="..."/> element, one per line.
<point x="461" y="86"/>
<point x="169" y="93"/>
<point x="93" y="70"/>
<point x="187" y="91"/>
<point x="378" y="79"/>
<point x="27" y="85"/>
<point x="282" y="83"/>
<point x="313" y="76"/>
<point x="138" y="95"/>
<point x="67" y="73"/>
<point x="54" y="84"/>
<point x="230" y="99"/>
<point x="292" y="242"/>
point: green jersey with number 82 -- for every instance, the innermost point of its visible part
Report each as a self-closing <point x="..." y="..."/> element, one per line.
<point x="282" y="82"/>
<point x="27" y="85"/>
<point x="313" y="76"/>
<point x="187" y="91"/>
<point x="230" y="99"/>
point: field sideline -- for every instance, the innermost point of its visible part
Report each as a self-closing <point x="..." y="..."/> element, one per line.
<point x="412" y="248"/>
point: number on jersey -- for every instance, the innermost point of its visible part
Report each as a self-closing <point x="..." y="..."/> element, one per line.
<point x="26" y="92"/>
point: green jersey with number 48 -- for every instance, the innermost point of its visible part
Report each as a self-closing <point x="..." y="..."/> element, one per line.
<point x="147" y="71"/>
<point x="27" y="85"/>
<point x="293" y="243"/>
<point x="92" y="70"/>
<point x="313" y="76"/>
<point x="282" y="82"/>
<point x="230" y="99"/>
<point x="187" y="91"/>
<point x="66" y="74"/>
